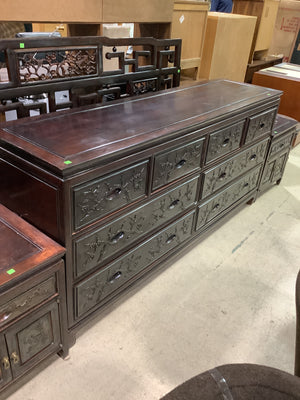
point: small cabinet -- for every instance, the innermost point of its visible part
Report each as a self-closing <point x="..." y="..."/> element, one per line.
<point x="29" y="341"/>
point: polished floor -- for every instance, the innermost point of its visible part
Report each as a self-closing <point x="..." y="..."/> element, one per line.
<point x="230" y="299"/>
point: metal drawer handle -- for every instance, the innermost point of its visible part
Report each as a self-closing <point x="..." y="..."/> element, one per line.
<point x="115" y="193"/>
<point x="171" y="239"/>
<point x="117" y="237"/>
<point x="281" y="145"/>
<point x="180" y="164"/>
<point x="5" y="363"/>
<point x="261" y="125"/>
<point x="222" y="176"/>
<point x="246" y="184"/>
<point x="174" y="204"/>
<point x="116" y="276"/>
<point x="253" y="157"/>
<point x="226" y="141"/>
<point x="4" y="317"/>
<point x="15" y="358"/>
<point x="216" y="206"/>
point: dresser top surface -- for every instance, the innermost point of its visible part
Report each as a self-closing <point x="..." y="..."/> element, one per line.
<point x="68" y="139"/>
<point x="22" y="247"/>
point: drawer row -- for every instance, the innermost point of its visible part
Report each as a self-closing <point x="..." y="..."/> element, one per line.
<point x="98" y="198"/>
<point x="92" y="291"/>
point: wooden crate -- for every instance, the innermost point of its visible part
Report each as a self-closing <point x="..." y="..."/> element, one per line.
<point x="227" y="45"/>
<point x="189" y="23"/>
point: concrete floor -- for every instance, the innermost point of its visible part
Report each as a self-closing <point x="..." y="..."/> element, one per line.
<point x="231" y="299"/>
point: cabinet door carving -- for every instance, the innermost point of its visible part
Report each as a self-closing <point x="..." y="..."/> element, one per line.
<point x="94" y="248"/>
<point x="5" y="368"/>
<point x="33" y="338"/>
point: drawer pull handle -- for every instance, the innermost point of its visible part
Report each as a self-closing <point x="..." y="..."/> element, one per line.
<point x="226" y="141"/>
<point x="117" y="237"/>
<point x="180" y="164"/>
<point x="115" y="193"/>
<point x="216" y="206"/>
<point x="171" y="239"/>
<point x="115" y="276"/>
<point x="246" y="184"/>
<point x="253" y="157"/>
<point x="261" y="125"/>
<point x="174" y="204"/>
<point x="4" y="317"/>
<point x="281" y="145"/>
<point x="15" y="358"/>
<point x="5" y="363"/>
<point x="222" y="176"/>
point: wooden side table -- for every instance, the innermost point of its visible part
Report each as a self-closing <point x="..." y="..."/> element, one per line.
<point x="32" y="298"/>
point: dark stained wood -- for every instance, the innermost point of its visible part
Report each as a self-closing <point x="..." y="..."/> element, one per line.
<point x="23" y="248"/>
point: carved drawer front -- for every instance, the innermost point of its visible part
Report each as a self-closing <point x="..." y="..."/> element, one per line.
<point x="33" y="338"/>
<point x="274" y="170"/>
<point x="222" y="174"/>
<point x="93" y="290"/>
<point x="281" y="144"/>
<point x="101" y="196"/>
<point x="24" y="302"/>
<point x="227" y="197"/>
<point x="94" y="248"/>
<point x="224" y="141"/>
<point x="176" y="163"/>
<point x="260" y="124"/>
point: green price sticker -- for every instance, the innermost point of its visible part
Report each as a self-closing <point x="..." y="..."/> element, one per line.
<point x="10" y="271"/>
<point x="22" y="45"/>
<point x="68" y="162"/>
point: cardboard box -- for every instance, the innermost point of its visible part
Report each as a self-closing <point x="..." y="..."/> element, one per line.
<point x="286" y="29"/>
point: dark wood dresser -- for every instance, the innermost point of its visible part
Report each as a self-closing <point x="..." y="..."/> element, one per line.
<point x="127" y="185"/>
<point x="32" y="298"/>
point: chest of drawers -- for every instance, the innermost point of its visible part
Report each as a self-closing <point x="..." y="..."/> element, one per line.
<point x="32" y="298"/>
<point x="125" y="186"/>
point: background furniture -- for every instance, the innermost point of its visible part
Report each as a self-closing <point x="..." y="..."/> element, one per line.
<point x="189" y="24"/>
<point x="285" y="77"/>
<point x="266" y="12"/>
<point x="32" y="298"/>
<point x="284" y="133"/>
<point x="89" y="69"/>
<point x="227" y="45"/>
<point x="130" y="185"/>
<point x="238" y="381"/>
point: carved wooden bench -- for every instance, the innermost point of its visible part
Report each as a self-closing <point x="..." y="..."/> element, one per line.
<point x="88" y="69"/>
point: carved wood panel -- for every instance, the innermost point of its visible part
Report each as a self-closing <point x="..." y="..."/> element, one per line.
<point x="227" y="197"/>
<point x="27" y="300"/>
<point x="224" y="141"/>
<point x="93" y="249"/>
<point x="99" y="197"/>
<point x="176" y="163"/>
<point x="93" y="290"/>
<point x="224" y="173"/>
<point x="260" y="124"/>
<point x="281" y="144"/>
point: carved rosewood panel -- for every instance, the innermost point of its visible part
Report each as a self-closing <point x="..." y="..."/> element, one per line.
<point x="176" y="163"/>
<point x="227" y="171"/>
<point x="94" y="248"/>
<point x="224" y="141"/>
<point x="260" y="124"/>
<point x="92" y="291"/>
<point x="227" y="197"/>
<point x="101" y="196"/>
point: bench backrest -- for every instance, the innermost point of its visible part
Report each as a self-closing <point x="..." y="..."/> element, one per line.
<point x="89" y="69"/>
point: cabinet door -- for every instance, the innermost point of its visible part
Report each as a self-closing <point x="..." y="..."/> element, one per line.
<point x="5" y="370"/>
<point x="33" y="338"/>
